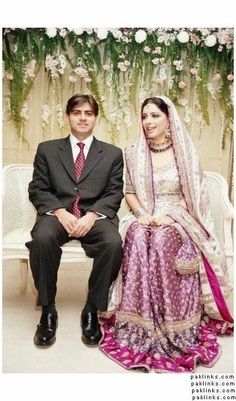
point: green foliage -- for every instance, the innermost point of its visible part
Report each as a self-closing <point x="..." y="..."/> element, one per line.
<point x="134" y="56"/>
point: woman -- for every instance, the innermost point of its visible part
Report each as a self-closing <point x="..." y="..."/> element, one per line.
<point x="168" y="303"/>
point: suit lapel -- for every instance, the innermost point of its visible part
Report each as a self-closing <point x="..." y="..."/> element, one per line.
<point x="94" y="155"/>
<point x="66" y="156"/>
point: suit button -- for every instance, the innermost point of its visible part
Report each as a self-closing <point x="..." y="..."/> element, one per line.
<point x="75" y="189"/>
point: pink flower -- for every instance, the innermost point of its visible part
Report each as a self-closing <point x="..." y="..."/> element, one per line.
<point x="195" y="38"/>
<point x="230" y="77"/>
<point x="193" y="71"/>
<point x="72" y="79"/>
<point x="106" y="67"/>
<point x="216" y="77"/>
<point x="9" y="76"/>
<point x="182" y="84"/>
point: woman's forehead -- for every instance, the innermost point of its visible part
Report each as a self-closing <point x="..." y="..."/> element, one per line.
<point x="151" y="107"/>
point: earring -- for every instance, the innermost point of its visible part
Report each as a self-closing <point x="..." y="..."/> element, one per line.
<point x="168" y="134"/>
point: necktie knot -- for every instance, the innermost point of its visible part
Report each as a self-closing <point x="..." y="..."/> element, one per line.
<point x="81" y="145"/>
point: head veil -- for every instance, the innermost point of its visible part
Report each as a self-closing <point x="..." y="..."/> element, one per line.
<point x="213" y="271"/>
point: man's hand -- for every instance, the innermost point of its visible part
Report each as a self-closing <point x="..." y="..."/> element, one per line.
<point x="83" y="225"/>
<point x="67" y="219"/>
<point x="75" y="227"/>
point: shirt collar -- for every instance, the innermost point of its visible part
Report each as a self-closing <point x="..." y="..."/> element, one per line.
<point x="87" y="142"/>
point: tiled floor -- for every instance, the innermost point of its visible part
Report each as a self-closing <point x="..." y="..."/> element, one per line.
<point x="68" y="354"/>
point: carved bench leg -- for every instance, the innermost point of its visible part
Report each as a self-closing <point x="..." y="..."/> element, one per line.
<point x="24" y="275"/>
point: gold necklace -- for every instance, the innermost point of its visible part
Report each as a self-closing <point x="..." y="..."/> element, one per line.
<point x="165" y="142"/>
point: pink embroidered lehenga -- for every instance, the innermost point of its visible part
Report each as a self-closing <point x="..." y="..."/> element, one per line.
<point x="168" y="303"/>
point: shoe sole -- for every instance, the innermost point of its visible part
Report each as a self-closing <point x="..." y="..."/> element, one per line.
<point x="87" y="342"/>
<point x="44" y="345"/>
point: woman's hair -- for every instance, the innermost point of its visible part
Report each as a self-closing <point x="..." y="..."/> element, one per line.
<point x="158" y="102"/>
<point x="79" y="99"/>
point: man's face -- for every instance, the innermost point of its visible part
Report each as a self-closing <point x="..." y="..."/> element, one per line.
<point x="82" y="120"/>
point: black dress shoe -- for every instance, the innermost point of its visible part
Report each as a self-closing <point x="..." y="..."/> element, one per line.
<point x="46" y="330"/>
<point x="91" y="333"/>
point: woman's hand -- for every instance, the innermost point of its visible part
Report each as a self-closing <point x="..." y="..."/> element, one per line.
<point x="145" y="219"/>
<point x="163" y="221"/>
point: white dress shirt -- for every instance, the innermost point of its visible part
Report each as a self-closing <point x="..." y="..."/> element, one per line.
<point x="75" y="151"/>
<point x="75" y="148"/>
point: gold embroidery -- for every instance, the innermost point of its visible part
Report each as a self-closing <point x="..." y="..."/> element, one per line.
<point x="166" y="327"/>
<point x="184" y="266"/>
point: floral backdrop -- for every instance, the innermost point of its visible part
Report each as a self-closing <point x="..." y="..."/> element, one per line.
<point x="120" y="67"/>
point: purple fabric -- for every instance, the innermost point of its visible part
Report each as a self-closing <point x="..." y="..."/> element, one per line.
<point x="159" y="323"/>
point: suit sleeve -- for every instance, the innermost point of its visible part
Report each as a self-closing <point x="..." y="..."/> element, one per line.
<point x="110" y="200"/>
<point x="40" y="189"/>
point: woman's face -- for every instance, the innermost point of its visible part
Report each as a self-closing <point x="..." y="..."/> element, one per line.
<point x="154" y="122"/>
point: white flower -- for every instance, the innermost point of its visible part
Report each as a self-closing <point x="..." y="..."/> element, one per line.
<point x="81" y="71"/>
<point x="30" y="70"/>
<point x="89" y="31"/>
<point x="157" y="50"/>
<point x="51" y="32"/>
<point x="155" y="60"/>
<point x="102" y="33"/>
<point x="210" y="40"/>
<point x="183" y="101"/>
<point x="24" y="112"/>
<point x="116" y="33"/>
<point x="60" y="119"/>
<point x="162" y="73"/>
<point x="126" y="39"/>
<point x="46" y="113"/>
<point x="204" y="31"/>
<point x="140" y="36"/>
<point x="187" y="119"/>
<point x="223" y="36"/>
<point x="62" y="61"/>
<point x="183" y="37"/>
<point x="121" y="65"/>
<point x="178" y="64"/>
<point x="147" y="49"/>
<point x="78" y="31"/>
<point x="161" y="39"/>
<point x="62" y="32"/>
<point x="72" y="79"/>
<point x="106" y="67"/>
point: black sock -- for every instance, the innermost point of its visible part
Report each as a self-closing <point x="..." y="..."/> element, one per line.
<point x="90" y="307"/>
<point x="51" y="308"/>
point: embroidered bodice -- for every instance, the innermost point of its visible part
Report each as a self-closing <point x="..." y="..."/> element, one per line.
<point x="167" y="189"/>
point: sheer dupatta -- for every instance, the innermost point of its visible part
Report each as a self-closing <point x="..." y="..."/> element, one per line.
<point x="196" y="220"/>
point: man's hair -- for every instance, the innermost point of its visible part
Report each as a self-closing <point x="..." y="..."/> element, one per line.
<point x="78" y="100"/>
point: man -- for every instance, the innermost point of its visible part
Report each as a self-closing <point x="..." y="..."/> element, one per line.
<point x="77" y="190"/>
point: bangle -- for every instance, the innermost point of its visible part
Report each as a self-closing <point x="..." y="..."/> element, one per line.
<point x="139" y="211"/>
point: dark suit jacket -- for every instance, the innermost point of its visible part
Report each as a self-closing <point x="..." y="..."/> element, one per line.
<point x="54" y="183"/>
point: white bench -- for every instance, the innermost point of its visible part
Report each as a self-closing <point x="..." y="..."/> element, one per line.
<point x="19" y="217"/>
